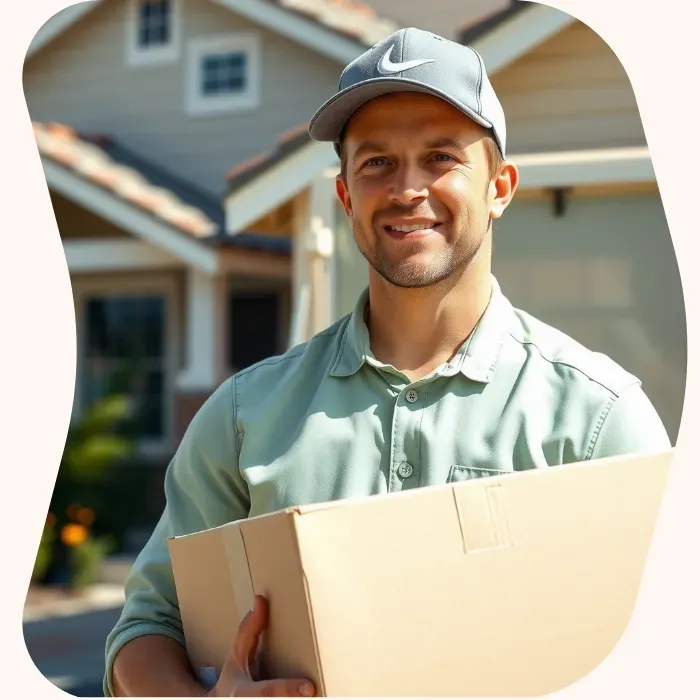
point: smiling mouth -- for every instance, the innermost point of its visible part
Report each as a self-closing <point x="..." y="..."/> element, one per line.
<point x="412" y="230"/>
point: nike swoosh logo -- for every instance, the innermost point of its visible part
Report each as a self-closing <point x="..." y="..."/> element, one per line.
<point x="387" y="67"/>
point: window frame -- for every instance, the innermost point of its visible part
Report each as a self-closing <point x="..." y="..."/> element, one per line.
<point x="138" y="56"/>
<point x="197" y="104"/>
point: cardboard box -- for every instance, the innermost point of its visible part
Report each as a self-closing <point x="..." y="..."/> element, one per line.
<point x="513" y="585"/>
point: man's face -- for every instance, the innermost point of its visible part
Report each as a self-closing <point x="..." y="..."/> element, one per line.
<point x="413" y="160"/>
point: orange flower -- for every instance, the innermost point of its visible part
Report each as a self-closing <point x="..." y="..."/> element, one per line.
<point x="72" y="511"/>
<point x="50" y="521"/>
<point x="73" y="535"/>
<point x="85" y="516"/>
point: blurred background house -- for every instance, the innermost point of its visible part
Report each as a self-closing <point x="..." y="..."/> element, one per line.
<point x="200" y="224"/>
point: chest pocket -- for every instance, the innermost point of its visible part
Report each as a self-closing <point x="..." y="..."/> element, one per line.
<point x="459" y="473"/>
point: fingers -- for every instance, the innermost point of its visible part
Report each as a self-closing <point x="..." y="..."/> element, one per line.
<point x="239" y="675"/>
<point x="281" y="688"/>
<point x="249" y="632"/>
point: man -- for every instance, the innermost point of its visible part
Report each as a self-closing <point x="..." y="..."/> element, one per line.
<point x="434" y="378"/>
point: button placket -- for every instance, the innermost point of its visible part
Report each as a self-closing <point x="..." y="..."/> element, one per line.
<point x="405" y="455"/>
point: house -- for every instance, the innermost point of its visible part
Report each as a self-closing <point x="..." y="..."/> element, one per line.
<point x="200" y="223"/>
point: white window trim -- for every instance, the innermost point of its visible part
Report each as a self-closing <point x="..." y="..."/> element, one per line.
<point x="117" y="285"/>
<point x="196" y="104"/>
<point x="137" y="57"/>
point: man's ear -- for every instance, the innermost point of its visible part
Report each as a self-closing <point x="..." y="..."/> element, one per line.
<point x="503" y="188"/>
<point x="341" y="190"/>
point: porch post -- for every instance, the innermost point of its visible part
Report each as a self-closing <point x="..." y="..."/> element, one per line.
<point x="313" y="251"/>
<point x="203" y="340"/>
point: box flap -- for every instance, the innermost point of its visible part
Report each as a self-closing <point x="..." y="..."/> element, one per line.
<point x="289" y="645"/>
<point x="214" y="591"/>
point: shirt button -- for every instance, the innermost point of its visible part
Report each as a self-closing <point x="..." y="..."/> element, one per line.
<point x="405" y="470"/>
<point x="411" y="396"/>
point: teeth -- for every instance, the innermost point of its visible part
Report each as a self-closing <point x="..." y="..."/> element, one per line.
<point x="408" y="229"/>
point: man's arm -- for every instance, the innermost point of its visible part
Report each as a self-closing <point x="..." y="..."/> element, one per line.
<point x="203" y="489"/>
<point x="630" y="425"/>
<point x="154" y="666"/>
<point x="239" y="677"/>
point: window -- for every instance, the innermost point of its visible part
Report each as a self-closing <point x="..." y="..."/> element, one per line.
<point x="223" y="74"/>
<point x="125" y="353"/>
<point x="153" y="31"/>
<point x="154" y="23"/>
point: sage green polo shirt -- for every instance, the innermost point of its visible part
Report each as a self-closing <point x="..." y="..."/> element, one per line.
<point x="328" y="421"/>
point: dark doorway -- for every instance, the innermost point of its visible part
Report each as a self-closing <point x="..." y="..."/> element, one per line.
<point x="254" y="326"/>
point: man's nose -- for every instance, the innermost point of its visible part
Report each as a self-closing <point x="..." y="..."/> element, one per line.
<point x="409" y="185"/>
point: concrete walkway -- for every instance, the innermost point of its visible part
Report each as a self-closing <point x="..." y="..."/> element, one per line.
<point x="65" y="635"/>
<point x="50" y="604"/>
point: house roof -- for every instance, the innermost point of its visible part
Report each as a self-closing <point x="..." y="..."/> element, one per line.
<point x="353" y="18"/>
<point x="102" y="161"/>
<point x="483" y="25"/>
<point x="346" y="27"/>
<point x="286" y="145"/>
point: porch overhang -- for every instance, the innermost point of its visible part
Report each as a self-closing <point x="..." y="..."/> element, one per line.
<point x="612" y="166"/>
<point x="139" y="223"/>
<point x="276" y="185"/>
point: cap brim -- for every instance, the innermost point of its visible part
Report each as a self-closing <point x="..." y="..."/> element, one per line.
<point x="328" y="122"/>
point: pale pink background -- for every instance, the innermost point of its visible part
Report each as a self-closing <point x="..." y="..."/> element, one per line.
<point x="657" y="657"/>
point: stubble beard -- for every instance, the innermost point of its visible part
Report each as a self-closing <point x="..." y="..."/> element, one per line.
<point x="447" y="263"/>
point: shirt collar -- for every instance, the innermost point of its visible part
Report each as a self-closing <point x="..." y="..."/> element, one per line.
<point x="476" y="359"/>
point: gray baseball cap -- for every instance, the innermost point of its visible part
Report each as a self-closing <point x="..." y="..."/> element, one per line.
<point x="413" y="60"/>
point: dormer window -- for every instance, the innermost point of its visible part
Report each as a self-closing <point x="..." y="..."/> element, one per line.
<point x="153" y="31"/>
<point x="223" y="74"/>
<point x="155" y="23"/>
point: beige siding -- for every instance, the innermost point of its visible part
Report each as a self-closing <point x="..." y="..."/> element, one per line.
<point x="351" y="269"/>
<point x="571" y="92"/>
<point x="82" y="79"/>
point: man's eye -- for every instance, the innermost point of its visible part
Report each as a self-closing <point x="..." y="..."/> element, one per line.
<point x="376" y="162"/>
<point x="444" y="157"/>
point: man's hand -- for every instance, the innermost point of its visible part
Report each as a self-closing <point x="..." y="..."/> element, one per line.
<point x="241" y="676"/>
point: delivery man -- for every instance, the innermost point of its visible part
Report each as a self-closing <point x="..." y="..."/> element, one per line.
<point x="434" y="378"/>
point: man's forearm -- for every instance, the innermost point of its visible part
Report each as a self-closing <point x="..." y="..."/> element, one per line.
<point x="154" y="666"/>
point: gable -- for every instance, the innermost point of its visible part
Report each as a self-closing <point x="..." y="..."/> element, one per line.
<point x="337" y="30"/>
<point x="81" y="78"/>
<point x="569" y="93"/>
<point x="78" y="223"/>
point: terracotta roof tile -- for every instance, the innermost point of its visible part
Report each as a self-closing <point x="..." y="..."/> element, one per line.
<point x="86" y="157"/>
<point x="349" y="17"/>
<point x="102" y="161"/>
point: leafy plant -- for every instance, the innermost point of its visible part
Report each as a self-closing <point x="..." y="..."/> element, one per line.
<point x="68" y="552"/>
<point x="86" y="558"/>
<point x="44" y="555"/>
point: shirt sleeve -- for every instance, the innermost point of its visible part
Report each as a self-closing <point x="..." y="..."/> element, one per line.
<point x="630" y="425"/>
<point x="203" y="488"/>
